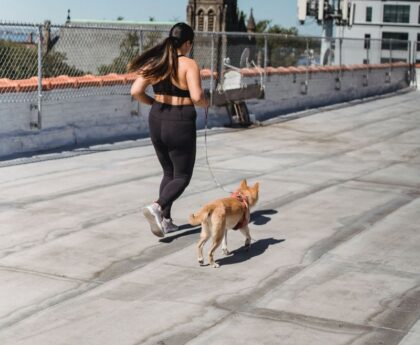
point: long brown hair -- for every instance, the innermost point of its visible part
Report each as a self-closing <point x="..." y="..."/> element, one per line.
<point x="161" y="61"/>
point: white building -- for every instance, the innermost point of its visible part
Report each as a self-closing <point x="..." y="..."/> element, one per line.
<point x="386" y="30"/>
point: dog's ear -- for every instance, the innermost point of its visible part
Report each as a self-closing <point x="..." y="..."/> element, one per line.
<point x="256" y="186"/>
<point x="243" y="184"/>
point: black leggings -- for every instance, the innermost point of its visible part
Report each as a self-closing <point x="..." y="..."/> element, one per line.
<point x="173" y="134"/>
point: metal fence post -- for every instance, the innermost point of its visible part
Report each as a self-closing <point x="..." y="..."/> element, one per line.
<point x="409" y="52"/>
<point x="415" y="55"/>
<point x="365" y="80"/>
<point x="265" y="59"/>
<point x="390" y="52"/>
<point x="306" y="83"/>
<point x="389" y="47"/>
<point x="413" y="62"/>
<point x="38" y="124"/>
<point x="212" y="69"/>
<point x="340" y="63"/>
<point x="390" y="61"/>
<point x="408" y="60"/>
<point x="141" y="42"/>
<point x="367" y="42"/>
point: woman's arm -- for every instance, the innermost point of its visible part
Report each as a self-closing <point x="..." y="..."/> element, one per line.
<point x="194" y="85"/>
<point x="138" y="91"/>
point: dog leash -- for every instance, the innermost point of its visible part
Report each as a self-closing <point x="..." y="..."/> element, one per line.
<point x="206" y="111"/>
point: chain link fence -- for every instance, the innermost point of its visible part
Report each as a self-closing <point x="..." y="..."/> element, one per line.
<point x="19" y="47"/>
<point x="42" y="63"/>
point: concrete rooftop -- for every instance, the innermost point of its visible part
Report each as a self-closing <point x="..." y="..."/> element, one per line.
<point x="335" y="260"/>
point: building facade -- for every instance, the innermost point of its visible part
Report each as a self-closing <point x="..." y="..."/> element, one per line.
<point x="213" y="15"/>
<point x="386" y="31"/>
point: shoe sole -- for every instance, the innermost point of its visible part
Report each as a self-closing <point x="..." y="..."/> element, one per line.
<point x="154" y="227"/>
<point x="168" y="231"/>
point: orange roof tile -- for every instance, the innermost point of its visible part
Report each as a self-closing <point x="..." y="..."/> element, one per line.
<point x="64" y="81"/>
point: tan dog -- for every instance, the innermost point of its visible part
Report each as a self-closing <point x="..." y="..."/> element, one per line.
<point x="220" y="215"/>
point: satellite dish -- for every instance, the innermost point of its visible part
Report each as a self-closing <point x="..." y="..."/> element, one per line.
<point x="244" y="58"/>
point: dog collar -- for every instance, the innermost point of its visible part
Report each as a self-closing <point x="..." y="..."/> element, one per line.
<point x="244" y="201"/>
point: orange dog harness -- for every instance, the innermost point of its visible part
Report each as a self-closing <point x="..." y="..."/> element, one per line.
<point x="246" y="218"/>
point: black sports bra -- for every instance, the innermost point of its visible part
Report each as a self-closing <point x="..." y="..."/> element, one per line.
<point x="166" y="87"/>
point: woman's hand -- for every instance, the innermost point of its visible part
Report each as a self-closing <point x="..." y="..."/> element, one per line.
<point x="138" y="91"/>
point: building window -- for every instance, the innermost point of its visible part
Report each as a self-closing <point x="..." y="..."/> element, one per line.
<point x="395" y="40"/>
<point x="200" y="20"/>
<point x="211" y="20"/>
<point x="396" y="13"/>
<point x="367" y="41"/>
<point x="419" y="14"/>
<point x="393" y="60"/>
<point x="418" y="42"/>
<point x="369" y="14"/>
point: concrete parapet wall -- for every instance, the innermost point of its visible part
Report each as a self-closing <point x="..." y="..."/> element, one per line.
<point x="286" y="93"/>
<point x="83" y="120"/>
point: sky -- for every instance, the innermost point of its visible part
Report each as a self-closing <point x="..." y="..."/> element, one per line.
<point x="282" y="12"/>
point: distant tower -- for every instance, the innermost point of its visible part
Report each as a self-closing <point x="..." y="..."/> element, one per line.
<point x="68" y="17"/>
<point x="213" y="15"/>
<point x="251" y="26"/>
<point x="220" y="16"/>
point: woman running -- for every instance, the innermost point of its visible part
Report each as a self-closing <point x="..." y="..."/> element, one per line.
<point x="176" y="83"/>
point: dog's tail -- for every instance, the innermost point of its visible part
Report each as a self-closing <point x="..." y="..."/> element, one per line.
<point x="200" y="216"/>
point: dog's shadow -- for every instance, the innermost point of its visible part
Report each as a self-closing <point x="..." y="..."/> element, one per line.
<point x="260" y="217"/>
<point x="242" y="254"/>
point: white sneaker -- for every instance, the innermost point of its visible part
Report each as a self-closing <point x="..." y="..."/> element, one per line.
<point x="168" y="226"/>
<point x="153" y="214"/>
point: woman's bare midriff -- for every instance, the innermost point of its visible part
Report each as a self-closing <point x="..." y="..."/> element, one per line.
<point x="173" y="100"/>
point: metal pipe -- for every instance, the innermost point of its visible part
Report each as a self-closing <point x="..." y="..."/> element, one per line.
<point x="39" y="124"/>
<point x="237" y="69"/>
<point x="136" y="26"/>
<point x="265" y="58"/>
